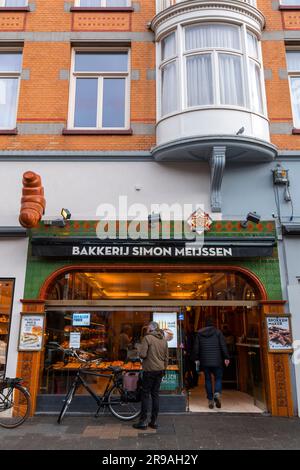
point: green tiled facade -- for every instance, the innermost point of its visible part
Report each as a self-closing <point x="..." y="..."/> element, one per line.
<point x="266" y="269"/>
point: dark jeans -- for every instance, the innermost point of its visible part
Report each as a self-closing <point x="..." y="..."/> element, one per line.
<point x="150" y="385"/>
<point x="218" y="374"/>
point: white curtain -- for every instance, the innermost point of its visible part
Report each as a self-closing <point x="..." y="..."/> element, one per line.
<point x="255" y="87"/>
<point x="199" y="80"/>
<point x="212" y="35"/>
<point x="168" y="47"/>
<point x="293" y="61"/>
<point x="8" y="101"/>
<point x="295" y="90"/>
<point x="169" y="88"/>
<point x="230" y="77"/>
<point x="252" y="45"/>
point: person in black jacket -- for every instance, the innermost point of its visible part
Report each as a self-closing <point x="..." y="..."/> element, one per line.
<point x="211" y="350"/>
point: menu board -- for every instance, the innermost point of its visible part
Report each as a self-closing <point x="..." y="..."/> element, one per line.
<point x="31" y="332"/>
<point x="279" y="334"/>
<point x="168" y="321"/>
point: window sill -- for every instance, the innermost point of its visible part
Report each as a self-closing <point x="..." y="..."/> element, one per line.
<point x="296" y="131"/>
<point x="110" y="9"/>
<point x="9" y="131"/>
<point x="97" y="132"/>
<point x="14" y="9"/>
<point x="289" y="7"/>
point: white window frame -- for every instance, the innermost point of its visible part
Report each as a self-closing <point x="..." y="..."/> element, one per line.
<point x="101" y="76"/>
<point x="182" y="54"/>
<point x="162" y="64"/>
<point x="10" y="74"/>
<point x="293" y="74"/>
<point x="102" y="4"/>
<point x="3" y="4"/>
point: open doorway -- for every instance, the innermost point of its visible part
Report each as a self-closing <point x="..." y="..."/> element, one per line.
<point x="243" y="383"/>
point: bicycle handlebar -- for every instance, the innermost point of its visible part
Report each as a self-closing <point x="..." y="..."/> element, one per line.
<point x="73" y="352"/>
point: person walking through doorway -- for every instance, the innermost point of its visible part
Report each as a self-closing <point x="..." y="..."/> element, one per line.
<point x="211" y="350"/>
<point x="154" y="353"/>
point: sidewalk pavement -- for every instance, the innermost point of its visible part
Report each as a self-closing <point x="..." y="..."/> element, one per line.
<point x="179" y="432"/>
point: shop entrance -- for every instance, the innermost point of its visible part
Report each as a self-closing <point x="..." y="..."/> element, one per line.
<point x="119" y="304"/>
<point x="243" y="379"/>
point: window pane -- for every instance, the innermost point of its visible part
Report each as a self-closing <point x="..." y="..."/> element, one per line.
<point x="295" y="90"/>
<point x="6" y="297"/>
<point x="290" y="2"/>
<point x="8" y="102"/>
<point x="252" y="45"/>
<point x="16" y="3"/>
<point x="90" y="3"/>
<point x="293" y="61"/>
<point x="10" y="61"/>
<point x="212" y="35"/>
<point x="113" y="102"/>
<point x="199" y="80"/>
<point x="101" y="62"/>
<point x="86" y="102"/>
<point x="116" y="3"/>
<point x="169" y="88"/>
<point x="168" y="47"/>
<point x="255" y="88"/>
<point x="231" y="84"/>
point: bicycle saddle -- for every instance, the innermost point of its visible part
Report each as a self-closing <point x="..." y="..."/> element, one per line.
<point x="13" y="381"/>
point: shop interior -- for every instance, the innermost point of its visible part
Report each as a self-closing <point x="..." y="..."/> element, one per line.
<point x="130" y="300"/>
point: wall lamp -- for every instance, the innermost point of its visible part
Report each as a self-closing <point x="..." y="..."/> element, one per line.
<point x="251" y="217"/>
<point x="66" y="214"/>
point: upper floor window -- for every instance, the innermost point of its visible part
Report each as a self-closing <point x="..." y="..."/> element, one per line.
<point x="102" y="3"/>
<point x="10" y="71"/>
<point x="219" y="66"/>
<point x="100" y="95"/>
<point x="293" y="65"/>
<point x="290" y="2"/>
<point x="13" y="3"/>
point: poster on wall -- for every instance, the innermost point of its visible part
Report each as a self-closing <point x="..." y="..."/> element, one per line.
<point x="168" y="321"/>
<point x="279" y="334"/>
<point x="31" y="332"/>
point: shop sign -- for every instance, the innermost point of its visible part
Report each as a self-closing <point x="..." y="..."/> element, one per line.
<point x="31" y="332"/>
<point x="84" y="249"/>
<point x="279" y="333"/>
<point x="81" y="319"/>
<point x="167" y="321"/>
<point x="74" y="340"/>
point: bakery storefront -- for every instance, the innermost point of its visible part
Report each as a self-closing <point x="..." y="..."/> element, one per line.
<point x="107" y="292"/>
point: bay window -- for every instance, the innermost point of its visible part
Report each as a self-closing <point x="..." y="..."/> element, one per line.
<point x="219" y="66"/>
<point x="100" y="96"/>
<point x="10" y="70"/>
<point x="293" y="65"/>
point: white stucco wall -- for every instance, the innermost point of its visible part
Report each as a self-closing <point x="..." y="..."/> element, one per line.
<point x="81" y="186"/>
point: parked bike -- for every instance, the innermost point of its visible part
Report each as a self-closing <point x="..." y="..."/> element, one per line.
<point x="124" y="405"/>
<point x="15" y="402"/>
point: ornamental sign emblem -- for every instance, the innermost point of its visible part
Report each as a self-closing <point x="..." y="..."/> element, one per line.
<point x="199" y="221"/>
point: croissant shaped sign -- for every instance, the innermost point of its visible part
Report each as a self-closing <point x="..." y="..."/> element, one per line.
<point x="33" y="202"/>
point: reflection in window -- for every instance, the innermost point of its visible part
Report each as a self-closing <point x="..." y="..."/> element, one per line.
<point x="293" y="65"/>
<point x="6" y="299"/>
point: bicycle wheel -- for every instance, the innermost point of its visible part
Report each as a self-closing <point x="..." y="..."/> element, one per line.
<point x="14" y="406"/>
<point x="68" y="399"/>
<point x="120" y="408"/>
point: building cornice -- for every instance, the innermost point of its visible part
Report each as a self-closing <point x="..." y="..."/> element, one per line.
<point x="191" y="6"/>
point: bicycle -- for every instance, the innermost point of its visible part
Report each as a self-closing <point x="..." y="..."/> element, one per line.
<point x="120" y="403"/>
<point x="15" y="402"/>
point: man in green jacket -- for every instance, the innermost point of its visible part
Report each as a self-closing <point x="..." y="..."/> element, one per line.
<point x="154" y="353"/>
